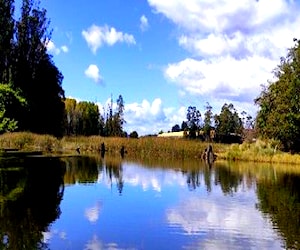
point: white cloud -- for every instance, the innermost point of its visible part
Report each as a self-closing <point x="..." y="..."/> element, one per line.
<point x="97" y="36"/>
<point x="93" y="72"/>
<point x="151" y="117"/>
<point x="223" y="16"/>
<point x="51" y="47"/>
<point x="144" y="25"/>
<point x="64" y="48"/>
<point x="224" y="77"/>
<point x="234" y="45"/>
<point x="147" y="117"/>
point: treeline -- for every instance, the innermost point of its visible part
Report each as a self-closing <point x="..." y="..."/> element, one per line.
<point x="84" y="118"/>
<point x="278" y="117"/>
<point x="32" y="97"/>
<point x="31" y="94"/>
<point x="226" y="127"/>
<point x="279" y="102"/>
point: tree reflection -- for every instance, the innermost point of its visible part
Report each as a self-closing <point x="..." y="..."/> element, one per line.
<point x="86" y="169"/>
<point x="30" y="199"/>
<point x="229" y="180"/>
<point x="280" y="199"/>
<point x="114" y="170"/>
<point x="82" y="169"/>
<point x="221" y="175"/>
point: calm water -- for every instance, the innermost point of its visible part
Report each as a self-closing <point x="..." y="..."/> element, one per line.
<point x="92" y="203"/>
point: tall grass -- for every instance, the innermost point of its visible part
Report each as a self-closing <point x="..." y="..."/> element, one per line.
<point x="148" y="147"/>
<point x="29" y="142"/>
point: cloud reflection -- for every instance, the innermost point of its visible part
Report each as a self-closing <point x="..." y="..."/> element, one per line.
<point x="92" y="213"/>
<point x="154" y="179"/>
<point x="215" y="221"/>
<point x="96" y="244"/>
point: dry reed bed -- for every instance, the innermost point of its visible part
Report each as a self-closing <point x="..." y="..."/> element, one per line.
<point x="148" y="147"/>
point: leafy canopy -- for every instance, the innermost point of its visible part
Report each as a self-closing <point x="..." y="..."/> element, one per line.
<point x="9" y="100"/>
<point x="279" y="102"/>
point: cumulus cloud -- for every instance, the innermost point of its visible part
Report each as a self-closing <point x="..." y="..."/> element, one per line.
<point x="151" y="117"/>
<point x="234" y="45"/>
<point x="93" y="72"/>
<point x="64" y="48"/>
<point x="144" y="25"/>
<point x="223" y="78"/>
<point x="97" y="36"/>
<point x="53" y="49"/>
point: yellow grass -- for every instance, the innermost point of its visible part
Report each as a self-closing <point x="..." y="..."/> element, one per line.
<point x="148" y="147"/>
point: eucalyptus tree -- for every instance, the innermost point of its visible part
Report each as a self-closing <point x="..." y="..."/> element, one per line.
<point x="87" y="118"/>
<point x="279" y="103"/>
<point x="70" y="116"/>
<point x="119" y="117"/>
<point x="208" y="117"/>
<point x="228" y="122"/>
<point x="35" y="73"/>
<point x="6" y="39"/>
<point x="193" y="120"/>
<point x="114" y="118"/>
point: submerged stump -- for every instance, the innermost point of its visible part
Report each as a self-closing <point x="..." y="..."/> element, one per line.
<point x="208" y="155"/>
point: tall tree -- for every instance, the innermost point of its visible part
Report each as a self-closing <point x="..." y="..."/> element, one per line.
<point x="119" y="116"/>
<point x="35" y="73"/>
<point x="176" y="128"/>
<point x="228" y="122"/>
<point x="193" y="120"/>
<point x="279" y="103"/>
<point x="6" y="39"/>
<point x="114" y="119"/>
<point x="70" y="116"/>
<point x="87" y="118"/>
<point x="208" y="116"/>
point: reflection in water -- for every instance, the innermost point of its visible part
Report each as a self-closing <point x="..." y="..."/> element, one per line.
<point x="81" y="169"/>
<point x="280" y="200"/>
<point x="30" y="198"/>
<point x="130" y="205"/>
<point x="114" y="170"/>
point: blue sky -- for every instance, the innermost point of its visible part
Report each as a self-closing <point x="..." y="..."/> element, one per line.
<point x="163" y="56"/>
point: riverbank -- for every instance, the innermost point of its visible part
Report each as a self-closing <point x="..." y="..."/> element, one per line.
<point x="147" y="147"/>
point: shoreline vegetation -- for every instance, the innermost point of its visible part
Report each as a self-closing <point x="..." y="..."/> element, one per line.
<point x="145" y="147"/>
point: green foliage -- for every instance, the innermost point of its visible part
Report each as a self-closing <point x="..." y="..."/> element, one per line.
<point x="228" y="122"/>
<point x="114" y="121"/>
<point x="134" y="134"/>
<point x="81" y="118"/>
<point x="176" y="128"/>
<point x="84" y="118"/>
<point x="10" y="100"/>
<point x="6" y="39"/>
<point x="208" y="116"/>
<point x="279" y="103"/>
<point x="25" y="63"/>
<point x="193" y="120"/>
<point x="87" y="118"/>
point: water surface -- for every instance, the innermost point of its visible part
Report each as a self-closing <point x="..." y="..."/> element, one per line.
<point x="113" y="203"/>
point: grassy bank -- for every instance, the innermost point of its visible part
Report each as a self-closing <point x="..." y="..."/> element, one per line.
<point x="149" y="147"/>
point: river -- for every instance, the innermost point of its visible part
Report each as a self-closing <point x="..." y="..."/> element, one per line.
<point x="93" y="203"/>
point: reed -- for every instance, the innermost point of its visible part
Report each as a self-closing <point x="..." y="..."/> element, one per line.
<point x="148" y="147"/>
<point x="29" y="142"/>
